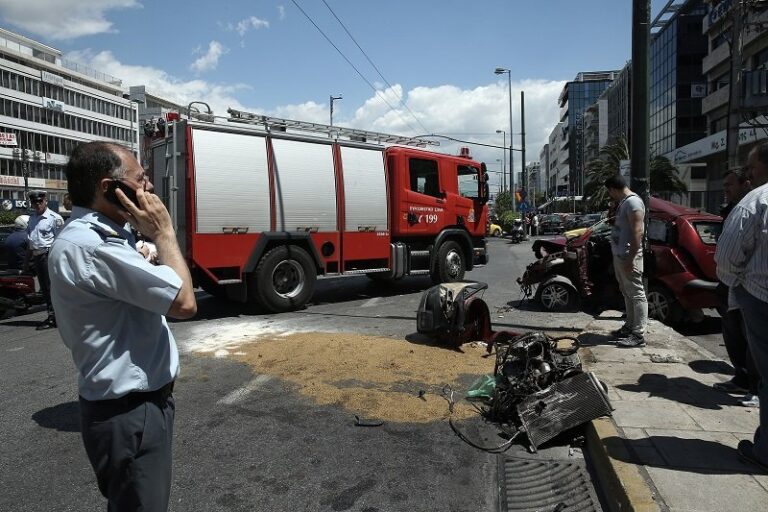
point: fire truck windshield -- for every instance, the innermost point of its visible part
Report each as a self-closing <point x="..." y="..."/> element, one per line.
<point x="468" y="181"/>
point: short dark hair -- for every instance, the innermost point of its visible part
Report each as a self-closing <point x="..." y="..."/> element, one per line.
<point x="616" y="182"/>
<point x="739" y="172"/>
<point x="761" y="151"/>
<point x="90" y="163"/>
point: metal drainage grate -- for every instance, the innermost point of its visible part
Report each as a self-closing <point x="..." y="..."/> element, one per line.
<point x="545" y="486"/>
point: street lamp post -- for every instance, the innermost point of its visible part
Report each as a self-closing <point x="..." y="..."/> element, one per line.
<point x="334" y="98"/>
<point x="501" y="71"/>
<point x="504" y="157"/>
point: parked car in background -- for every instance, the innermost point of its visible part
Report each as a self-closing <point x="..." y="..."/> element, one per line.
<point x="572" y="233"/>
<point x="680" y="266"/>
<point x="493" y="229"/>
<point x="551" y="224"/>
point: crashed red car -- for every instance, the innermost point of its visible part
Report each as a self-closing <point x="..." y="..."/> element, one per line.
<point x="680" y="266"/>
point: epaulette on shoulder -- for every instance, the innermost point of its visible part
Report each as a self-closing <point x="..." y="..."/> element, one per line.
<point x="106" y="233"/>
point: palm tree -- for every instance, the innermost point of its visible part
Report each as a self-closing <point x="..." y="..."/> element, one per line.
<point x="663" y="175"/>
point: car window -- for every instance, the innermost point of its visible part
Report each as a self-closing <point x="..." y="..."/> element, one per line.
<point x="601" y="228"/>
<point x="657" y="230"/>
<point x="709" y="232"/>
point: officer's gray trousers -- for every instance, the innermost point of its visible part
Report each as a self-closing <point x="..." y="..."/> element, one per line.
<point x="128" y="442"/>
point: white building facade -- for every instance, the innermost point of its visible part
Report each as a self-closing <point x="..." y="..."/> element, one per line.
<point x="48" y="106"/>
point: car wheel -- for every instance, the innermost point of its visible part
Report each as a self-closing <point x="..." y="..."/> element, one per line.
<point x="662" y="305"/>
<point x="556" y="296"/>
<point x="449" y="265"/>
<point x="285" y="279"/>
<point x="496" y="232"/>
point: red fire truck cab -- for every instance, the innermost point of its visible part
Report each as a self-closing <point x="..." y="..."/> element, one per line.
<point x="263" y="206"/>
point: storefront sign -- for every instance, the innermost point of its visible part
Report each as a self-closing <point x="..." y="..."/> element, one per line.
<point x="717" y="142"/>
<point x="8" y="139"/>
<point x="18" y="181"/>
<point x="53" y="104"/>
<point x="52" y="78"/>
<point x="698" y="90"/>
<point x="716" y="12"/>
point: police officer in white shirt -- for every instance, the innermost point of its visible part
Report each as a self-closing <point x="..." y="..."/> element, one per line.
<point x="112" y="305"/>
<point x="742" y="264"/>
<point x="43" y="226"/>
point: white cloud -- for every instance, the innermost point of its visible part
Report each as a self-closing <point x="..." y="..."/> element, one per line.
<point x="210" y="60"/>
<point x="62" y="19"/>
<point x="281" y="12"/>
<point x="182" y="92"/>
<point x="244" y="25"/>
<point x="467" y="114"/>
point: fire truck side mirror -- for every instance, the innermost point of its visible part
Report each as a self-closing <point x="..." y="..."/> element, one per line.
<point x="483" y="192"/>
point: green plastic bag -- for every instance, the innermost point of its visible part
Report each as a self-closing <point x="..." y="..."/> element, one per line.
<point x="483" y="387"/>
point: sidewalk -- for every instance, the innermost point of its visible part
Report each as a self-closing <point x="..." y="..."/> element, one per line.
<point x="671" y="444"/>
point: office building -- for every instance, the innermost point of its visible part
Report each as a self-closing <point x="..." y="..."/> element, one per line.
<point x="49" y="106"/>
<point x="677" y="84"/>
<point x="576" y="96"/>
<point x="709" y="155"/>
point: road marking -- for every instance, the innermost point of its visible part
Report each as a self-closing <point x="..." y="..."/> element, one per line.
<point x="370" y="302"/>
<point x="15" y="349"/>
<point x="242" y="393"/>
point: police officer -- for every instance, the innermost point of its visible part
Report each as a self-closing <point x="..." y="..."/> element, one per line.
<point x="43" y="226"/>
<point x="112" y="305"/>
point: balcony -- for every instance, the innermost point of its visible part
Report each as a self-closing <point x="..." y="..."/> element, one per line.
<point x="714" y="58"/>
<point x="715" y="100"/>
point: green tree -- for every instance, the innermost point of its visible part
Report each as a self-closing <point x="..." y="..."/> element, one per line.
<point x="663" y="175"/>
<point x="503" y="203"/>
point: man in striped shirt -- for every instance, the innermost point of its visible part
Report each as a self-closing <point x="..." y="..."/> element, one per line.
<point x="742" y="264"/>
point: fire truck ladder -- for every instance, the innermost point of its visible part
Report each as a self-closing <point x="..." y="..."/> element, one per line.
<point x="279" y="124"/>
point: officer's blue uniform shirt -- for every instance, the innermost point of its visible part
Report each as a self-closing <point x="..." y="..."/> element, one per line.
<point x="43" y="228"/>
<point x="110" y="305"/>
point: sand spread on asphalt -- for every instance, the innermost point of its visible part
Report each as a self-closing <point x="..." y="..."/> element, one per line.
<point x="373" y="377"/>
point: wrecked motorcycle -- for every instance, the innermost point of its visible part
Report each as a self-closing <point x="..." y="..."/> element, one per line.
<point x="18" y="292"/>
<point x="538" y="386"/>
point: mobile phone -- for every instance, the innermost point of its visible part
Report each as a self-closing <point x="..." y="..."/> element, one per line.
<point x="111" y="196"/>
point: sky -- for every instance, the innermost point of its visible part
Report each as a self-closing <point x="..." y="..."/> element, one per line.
<point x="426" y="66"/>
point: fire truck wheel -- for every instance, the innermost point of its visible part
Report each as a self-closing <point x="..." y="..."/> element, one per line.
<point x="449" y="265"/>
<point x="284" y="279"/>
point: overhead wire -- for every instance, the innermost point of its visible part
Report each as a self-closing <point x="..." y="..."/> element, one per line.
<point x="378" y="93"/>
<point x="373" y="65"/>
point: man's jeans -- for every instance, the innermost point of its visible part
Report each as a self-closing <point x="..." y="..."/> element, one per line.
<point x="756" y="323"/>
<point x="631" y="286"/>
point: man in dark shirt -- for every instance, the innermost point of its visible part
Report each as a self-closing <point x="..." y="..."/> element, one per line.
<point x="735" y="186"/>
<point x="16" y="243"/>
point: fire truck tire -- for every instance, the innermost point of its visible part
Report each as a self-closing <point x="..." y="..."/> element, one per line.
<point x="449" y="264"/>
<point x="284" y="279"/>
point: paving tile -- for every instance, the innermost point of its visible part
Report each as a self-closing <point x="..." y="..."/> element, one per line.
<point x="762" y="480"/>
<point x="704" y="491"/>
<point x="653" y="414"/>
<point x="736" y="419"/>
<point x="608" y="353"/>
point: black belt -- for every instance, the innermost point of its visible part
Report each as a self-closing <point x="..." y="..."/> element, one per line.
<point x="136" y="397"/>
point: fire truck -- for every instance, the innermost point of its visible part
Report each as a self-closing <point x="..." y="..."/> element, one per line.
<point x="263" y="206"/>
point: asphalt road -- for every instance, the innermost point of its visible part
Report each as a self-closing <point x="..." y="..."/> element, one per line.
<point x="272" y="449"/>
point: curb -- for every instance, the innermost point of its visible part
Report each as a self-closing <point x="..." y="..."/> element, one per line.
<point x="624" y="488"/>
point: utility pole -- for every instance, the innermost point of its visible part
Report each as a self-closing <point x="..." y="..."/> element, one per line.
<point x="734" y="94"/>
<point x="25" y="173"/>
<point x="334" y="98"/>
<point x="641" y="21"/>
<point x="526" y="183"/>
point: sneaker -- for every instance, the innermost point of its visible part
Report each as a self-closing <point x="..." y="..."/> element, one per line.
<point x="729" y="386"/>
<point x="631" y="341"/>
<point x="46" y="324"/>
<point x="747" y="453"/>
<point x="750" y="400"/>
<point x="622" y="333"/>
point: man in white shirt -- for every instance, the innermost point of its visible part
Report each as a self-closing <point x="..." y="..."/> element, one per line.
<point x="742" y="264"/>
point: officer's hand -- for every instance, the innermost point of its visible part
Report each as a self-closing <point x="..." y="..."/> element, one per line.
<point x="149" y="217"/>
